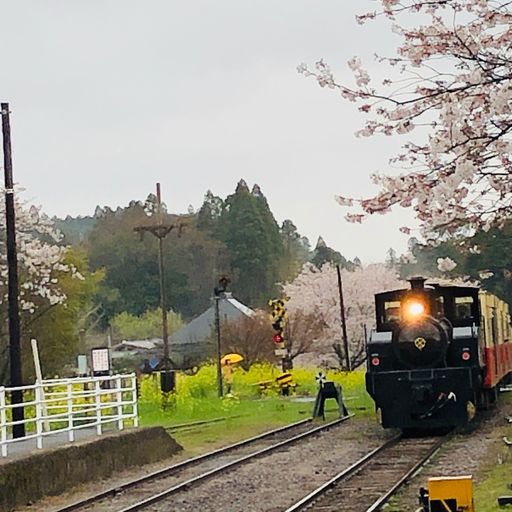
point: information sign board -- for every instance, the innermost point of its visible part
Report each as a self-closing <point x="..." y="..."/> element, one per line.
<point x="100" y="360"/>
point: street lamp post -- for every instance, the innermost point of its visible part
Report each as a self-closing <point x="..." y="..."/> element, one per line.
<point x="218" y="294"/>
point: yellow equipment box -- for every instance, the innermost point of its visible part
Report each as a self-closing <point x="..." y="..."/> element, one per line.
<point x="451" y="494"/>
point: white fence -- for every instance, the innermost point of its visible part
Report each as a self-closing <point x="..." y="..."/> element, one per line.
<point x="58" y="406"/>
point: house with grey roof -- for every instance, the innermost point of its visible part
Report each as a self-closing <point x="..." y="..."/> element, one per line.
<point x="194" y="342"/>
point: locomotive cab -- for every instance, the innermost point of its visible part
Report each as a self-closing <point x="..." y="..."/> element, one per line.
<point x="423" y="359"/>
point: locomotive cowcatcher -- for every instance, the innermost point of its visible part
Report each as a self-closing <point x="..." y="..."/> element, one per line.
<point x="437" y="354"/>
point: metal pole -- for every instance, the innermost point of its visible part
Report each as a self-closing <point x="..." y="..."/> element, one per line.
<point x="219" y="351"/>
<point x="343" y="323"/>
<point x="12" y="265"/>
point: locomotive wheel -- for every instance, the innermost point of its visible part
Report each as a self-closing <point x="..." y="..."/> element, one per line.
<point x="421" y="344"/>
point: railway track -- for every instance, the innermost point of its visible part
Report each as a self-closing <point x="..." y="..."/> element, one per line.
<point x="143" y="492"/>
<point x="369" y="483"/>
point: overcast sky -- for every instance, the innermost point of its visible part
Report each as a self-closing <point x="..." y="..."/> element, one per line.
<point x="110" y="96"/>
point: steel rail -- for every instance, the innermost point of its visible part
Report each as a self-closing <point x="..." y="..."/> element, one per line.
<point x="346" y="473"/>
<point x="176" y="467"/>
<point x="349" y="472"/>
<point x="200" y="478"/>
<point x="113" y="491"/>
<point x="385" y="497"/>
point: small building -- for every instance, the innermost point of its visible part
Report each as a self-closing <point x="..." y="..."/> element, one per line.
<point x="139" y="354"/>
<point x="136" y="348"/>
<point x="195" y="341"/>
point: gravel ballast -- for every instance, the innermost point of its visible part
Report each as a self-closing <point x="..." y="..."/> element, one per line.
<point x="273" y="483"/>
<point x="468" y="453"/>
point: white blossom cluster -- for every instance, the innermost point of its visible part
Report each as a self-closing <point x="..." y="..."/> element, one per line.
<point x="40" y="262"/>
<point x="316" y="292"/>
<point x="455" y="93"/>
<point x="446" y="264"/>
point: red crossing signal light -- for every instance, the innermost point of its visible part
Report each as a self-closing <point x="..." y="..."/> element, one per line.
<point x="278" y="338"/>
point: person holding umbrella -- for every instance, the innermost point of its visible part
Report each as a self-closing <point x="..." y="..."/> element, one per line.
<point x="227" y="370"/>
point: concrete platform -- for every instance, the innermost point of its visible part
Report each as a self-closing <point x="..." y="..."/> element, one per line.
<point x="29" y="474"/>
<point x="28" y="446"/>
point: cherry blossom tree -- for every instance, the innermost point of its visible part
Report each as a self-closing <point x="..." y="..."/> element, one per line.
<point x="302" y="331"/>
<point x="450" y="83"/>
<point x="40" y="262"/>
<point x="315" y="292"/>
<point x="45" y="270"/>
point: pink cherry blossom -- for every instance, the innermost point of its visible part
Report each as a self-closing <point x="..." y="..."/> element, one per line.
<point x="316" y="291"/>
<point x="455" y="97"/>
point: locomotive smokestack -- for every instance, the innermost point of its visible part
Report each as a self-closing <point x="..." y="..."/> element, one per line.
<point x="417" y="283"/>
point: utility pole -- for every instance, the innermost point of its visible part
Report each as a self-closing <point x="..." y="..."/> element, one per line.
<point x="18" y="430"/>
<point x="343" y="323"/>
<point x="161" y="230"/>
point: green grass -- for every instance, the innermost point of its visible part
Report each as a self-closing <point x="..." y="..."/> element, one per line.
<point x="494" y="485"/>
<point x="496" y="472"/>
<point x="247" y="412"/>
<point x="244" y="418"/>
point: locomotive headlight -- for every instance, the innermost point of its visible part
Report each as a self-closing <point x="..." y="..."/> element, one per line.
<point x="414" y="309"/>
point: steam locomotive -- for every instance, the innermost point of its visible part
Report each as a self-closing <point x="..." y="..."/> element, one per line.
<point x="438" y="354"/>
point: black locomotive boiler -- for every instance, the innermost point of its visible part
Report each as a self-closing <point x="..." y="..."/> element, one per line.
<point x="437" y="354"/>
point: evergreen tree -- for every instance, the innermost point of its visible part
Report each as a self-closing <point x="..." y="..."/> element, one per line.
<point x="489" y="259"/>
<point x="391" y="258"/>
<point x="252" y="238"/>
<point x="210" y="213"/>
<point x="324" y="254"/>
<point x="425" y="258"/>
<point x="296" y="250"/>
<point x="75" y="230"/>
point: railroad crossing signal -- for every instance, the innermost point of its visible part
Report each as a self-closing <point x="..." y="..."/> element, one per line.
<point x="278" y="321"/>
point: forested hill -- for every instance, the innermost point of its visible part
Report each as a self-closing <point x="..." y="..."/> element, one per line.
<point x="237" y="236"/>
<point x="75" y="229"/>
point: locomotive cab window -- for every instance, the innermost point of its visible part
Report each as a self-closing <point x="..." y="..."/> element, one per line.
<point x="392" y="311"/>
<point x="464" y="308"/>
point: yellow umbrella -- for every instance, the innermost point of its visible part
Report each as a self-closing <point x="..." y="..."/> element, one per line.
<point x="231" y="358"/>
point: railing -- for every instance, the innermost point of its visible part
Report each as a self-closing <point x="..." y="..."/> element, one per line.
<point x="56" y="406"/>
